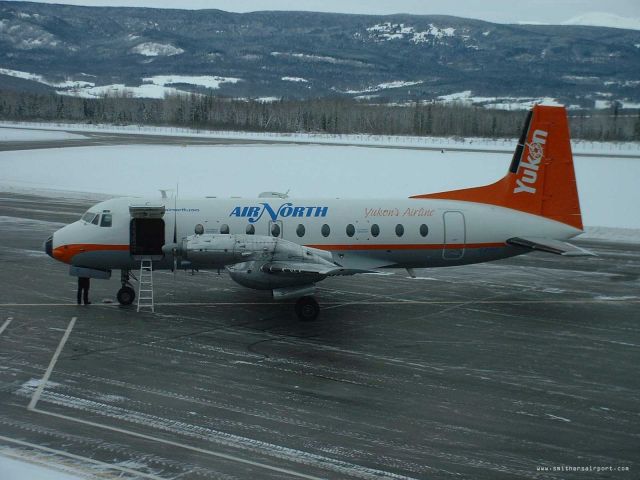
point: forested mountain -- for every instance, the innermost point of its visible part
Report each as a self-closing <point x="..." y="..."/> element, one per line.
<point x="93" y="51"/>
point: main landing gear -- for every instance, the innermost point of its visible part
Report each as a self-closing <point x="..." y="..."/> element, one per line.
<point x="307" y="309"/>
<point x="126" y="295"/>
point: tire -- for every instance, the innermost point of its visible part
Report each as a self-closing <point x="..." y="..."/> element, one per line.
<point x="307" y="309"/>
<point x="126" y="296"/>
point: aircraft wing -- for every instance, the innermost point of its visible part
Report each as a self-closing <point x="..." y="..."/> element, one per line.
<point x="550" y="245"/>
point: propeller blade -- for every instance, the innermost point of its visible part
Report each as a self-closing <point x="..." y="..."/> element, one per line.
<point x="175" y="232"/>
<point x="175" y="216"/>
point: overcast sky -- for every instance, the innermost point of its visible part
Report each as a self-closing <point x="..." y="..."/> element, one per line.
<point x="501" y="11"/>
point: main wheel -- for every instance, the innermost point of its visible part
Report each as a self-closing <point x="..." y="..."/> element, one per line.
<point x="307" y="309"/>
<point x="126" y="295"/>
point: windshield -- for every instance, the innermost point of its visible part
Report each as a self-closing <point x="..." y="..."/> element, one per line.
<point x="89" y="217"/>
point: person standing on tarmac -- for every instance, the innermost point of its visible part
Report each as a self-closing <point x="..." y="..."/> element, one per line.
<point x="83" y="290"/>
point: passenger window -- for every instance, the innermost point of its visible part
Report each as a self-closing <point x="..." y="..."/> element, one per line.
<point x="325" y="230"/>
<point x="399" y="230"/>
<point x="96" y="220"/>
<point x="251" y="229"/>
<point x="351" y="230"/>
<point x="275" y="230"/>
<point x="300" y="230"/>
<point x="424" y="230"/>
<point x="106" y="220"/>
<point x="375" y="230"/>
<point x="224" y="229"/>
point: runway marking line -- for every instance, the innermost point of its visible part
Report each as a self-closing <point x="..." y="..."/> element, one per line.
<point x="5" y="324"/>
<point x="73" y="456"/>
<point x="52" y="363"/>
<point x="171" y="443"/>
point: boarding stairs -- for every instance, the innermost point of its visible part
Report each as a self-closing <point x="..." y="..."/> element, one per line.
<point x="145" y="285"/>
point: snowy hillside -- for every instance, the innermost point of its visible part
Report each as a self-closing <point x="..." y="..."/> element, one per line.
<point x="393" y="58"/>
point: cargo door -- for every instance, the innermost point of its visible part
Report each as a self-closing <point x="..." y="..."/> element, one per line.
<point x="146" y="231"/>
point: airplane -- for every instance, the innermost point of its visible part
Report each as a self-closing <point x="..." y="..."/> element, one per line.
<point x="287" y="246"/>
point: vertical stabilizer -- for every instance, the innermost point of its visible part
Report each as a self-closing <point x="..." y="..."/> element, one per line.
<point x="541" y="179"/>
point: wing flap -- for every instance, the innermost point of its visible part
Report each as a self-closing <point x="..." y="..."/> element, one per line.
<point x="549" y="245"/>
<point x="299" y="267"/>
<point x="310" y="268"/>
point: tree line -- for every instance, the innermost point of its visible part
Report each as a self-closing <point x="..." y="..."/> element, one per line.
<point x="327" y="115"/>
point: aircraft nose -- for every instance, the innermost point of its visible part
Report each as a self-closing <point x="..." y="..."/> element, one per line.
<point x="48" y="246"/>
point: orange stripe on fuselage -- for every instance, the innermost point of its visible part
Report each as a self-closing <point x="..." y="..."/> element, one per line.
<point x="414" y="246"/>
<point x="65" y="253"/>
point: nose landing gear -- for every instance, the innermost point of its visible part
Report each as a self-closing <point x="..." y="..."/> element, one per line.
<point x="126" y="295"/>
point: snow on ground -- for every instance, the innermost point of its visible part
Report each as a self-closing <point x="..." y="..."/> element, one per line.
<point x="152" y="49"/>
<point x="384" y="86"/>
<point x="16" y="469"/>
<point x="501" y="103"/>
<point x="119" y="89"/>
<point x="26" y="135"/>
<point x="40" y="79"/>
<point x="317" y="58"/>
<point x="207" y="81"/>
<point x="605" y="184"/>
<point x="294" y="79"/>
<point x="153" y="87"/>
<point x="506" y="145"/>
<point x="397" y="31"/>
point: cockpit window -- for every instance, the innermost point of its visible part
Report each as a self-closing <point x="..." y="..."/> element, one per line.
<point x="89" y="217"/>
<point x="96" y="220"/>
<point x="106" y="220"/>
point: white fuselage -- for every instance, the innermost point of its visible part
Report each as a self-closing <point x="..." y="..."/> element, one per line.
<point x="409" y="233"/>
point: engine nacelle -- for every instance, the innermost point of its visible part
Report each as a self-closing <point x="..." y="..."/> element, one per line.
<point x="221" y="250"/>
<point x="251" y="275"/>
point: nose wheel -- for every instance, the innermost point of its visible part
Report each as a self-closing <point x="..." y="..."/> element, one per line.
<point x="307" y="309"/>
<point x="126" y="295"/>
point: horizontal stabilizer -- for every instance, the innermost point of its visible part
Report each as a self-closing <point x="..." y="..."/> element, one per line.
<point x="550" y="245"/>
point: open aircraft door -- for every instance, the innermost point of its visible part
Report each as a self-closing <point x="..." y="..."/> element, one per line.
<point x="146" y="231"/>
<point x="454" y="236"/>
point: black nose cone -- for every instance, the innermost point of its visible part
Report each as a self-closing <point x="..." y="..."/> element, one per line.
<point x="48" y="246"/>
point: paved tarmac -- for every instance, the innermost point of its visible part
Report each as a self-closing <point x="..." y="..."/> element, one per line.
<point x="490" y="371"/>
<point x="104" y="139"/>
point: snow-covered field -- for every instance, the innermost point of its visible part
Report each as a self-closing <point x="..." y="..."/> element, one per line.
<point x="608" y="186"/>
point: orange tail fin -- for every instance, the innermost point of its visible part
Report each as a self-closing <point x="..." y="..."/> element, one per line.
<point x="541" y="179"/>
